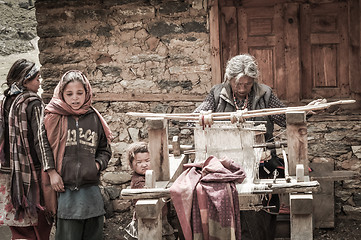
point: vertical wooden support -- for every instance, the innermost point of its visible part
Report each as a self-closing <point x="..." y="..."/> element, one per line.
<point x="292" y="53"/>
<point x="149" y="215"/>
<point x="149" y="179"/>
<point x="301" y="216"/>
<point x="158" y="147"/>
<point x="215" y="42"/>
<point x="297" y="141"/>
<point x="176" y="146"/>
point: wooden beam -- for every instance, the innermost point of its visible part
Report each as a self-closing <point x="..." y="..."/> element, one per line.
<point x="158" y="147"/>
<point x="292" y="53"/>
<point x="297" y="141"/>
<point x="355" y="50"/>
<point x="337" y="176"/>
<point x="215" y="42"/>
<point x="149" y="215"/>
<point x="138" y="97"/>
<point x="301" y="216"/>
<point x="282" y="187"/>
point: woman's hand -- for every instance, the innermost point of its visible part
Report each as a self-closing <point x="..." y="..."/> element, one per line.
<point x="56" y="180"/>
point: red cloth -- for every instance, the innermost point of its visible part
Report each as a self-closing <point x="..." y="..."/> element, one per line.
<point x="38" y="232"/>
<point x="206" y="199"/>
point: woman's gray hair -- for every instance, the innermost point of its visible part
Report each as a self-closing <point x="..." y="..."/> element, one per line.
<point x="241" y="65"/>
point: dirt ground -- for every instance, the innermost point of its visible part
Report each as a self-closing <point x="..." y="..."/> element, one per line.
<point x="18" y="40"/>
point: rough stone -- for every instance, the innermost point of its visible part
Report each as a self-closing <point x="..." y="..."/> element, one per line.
<point x="113" y="192"/>
<point x="357" y="151"/>
<point x="114" y="162"/>
<point x="121" y="205"/>
<point x="352" y="212"/>
<point x="134" y="134"/>
<point x="116" y="178"/>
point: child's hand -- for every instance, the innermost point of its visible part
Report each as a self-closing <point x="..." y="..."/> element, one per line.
<point x="56" y="180"/>
<point x="98" y="166"/>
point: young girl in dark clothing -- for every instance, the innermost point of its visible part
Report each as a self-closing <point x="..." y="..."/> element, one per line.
<point x="24" y="148"/>
<point x="79" y="137"/>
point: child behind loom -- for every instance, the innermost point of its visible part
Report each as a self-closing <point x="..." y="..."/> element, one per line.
<point x="139" y="160"/>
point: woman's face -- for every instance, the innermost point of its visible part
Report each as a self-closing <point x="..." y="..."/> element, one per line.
<point x="242" y="86"/>
<point x="33" y="85"/>
<point x="74" y="94"/>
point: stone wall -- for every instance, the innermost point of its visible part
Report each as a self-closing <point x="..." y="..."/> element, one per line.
<point x="127" y="47"/>
<point x="338" y="138"/>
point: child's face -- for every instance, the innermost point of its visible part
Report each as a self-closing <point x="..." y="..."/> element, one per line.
<point x="141" y="163"/>
<point x="74" y="94"/>
<point x="33" y="85"/>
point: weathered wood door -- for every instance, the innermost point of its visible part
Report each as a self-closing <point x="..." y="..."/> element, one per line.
<point x="324" y="54"/>
<point x="302" y="49"/>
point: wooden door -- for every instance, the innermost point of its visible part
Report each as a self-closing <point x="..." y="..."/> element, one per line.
<point x="324" y="55"/>
<point x="259" y="31"/>
<point x="302" y="49"/>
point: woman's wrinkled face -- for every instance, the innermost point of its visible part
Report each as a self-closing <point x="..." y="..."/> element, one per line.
<point x="242" y="86"/>
<point x="33" y="85"/>
<point x="74" y="94"/>
<point x="141" y="163"/>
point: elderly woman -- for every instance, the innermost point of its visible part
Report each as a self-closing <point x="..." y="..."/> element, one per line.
<point x="240" y="90"/>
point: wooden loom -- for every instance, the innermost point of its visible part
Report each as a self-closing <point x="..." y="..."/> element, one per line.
<point x="235" y="139"/>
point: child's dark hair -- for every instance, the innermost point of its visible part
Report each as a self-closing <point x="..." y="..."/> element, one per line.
<point x="134" y="148"/>
<point x="73" y="76"/>
<point x="19" y="72"/>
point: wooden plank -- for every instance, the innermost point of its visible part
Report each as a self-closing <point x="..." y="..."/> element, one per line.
<point x="324" y="199"/>
<point x="324" y="72"/>
<point x="322" y="38"/>
<point x="149" y="215"/>
<point x="229" y="34"/>
<point x="355" y="50"/>
<point x="330" y="118"/>
<point x="301" y="216"/>
<point x="176" y="165"/>
<point x="158" y="147"/>
<point x="336" y="176"/>
<point x="281" y="187"/>
<point x="279" y="85"/>
<point x="343" y="60"/>
<point x="261" y="41"/>
<point x="297" y="141"/>
<point x="140" y="97"/>
<point x="215" y="43"/>
<point x="292" y="52"/>
<point x="149" y="179"/>
<point x="242" y="31"/>
<point x="305" y="46"/>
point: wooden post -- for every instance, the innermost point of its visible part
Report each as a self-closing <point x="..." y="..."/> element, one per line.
<point x="149" y="215"/>
<point x="149" y="179"/>
<point x="158" y="147"/>
<point x="215" y="42"/>
<point x="301" y="216"/>
<point x="176" y="146"/>
<point x="297" y="141"/>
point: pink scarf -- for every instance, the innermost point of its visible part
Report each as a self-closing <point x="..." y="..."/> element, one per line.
<point x="55" y="122"/>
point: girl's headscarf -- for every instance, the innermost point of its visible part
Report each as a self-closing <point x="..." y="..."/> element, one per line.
<point x="58" y="106"/>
